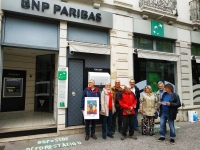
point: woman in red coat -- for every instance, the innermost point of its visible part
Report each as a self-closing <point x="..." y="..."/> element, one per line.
<point x="127" y="103"/>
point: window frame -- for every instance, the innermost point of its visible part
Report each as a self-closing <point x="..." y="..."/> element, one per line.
<point x="154" y="39"/>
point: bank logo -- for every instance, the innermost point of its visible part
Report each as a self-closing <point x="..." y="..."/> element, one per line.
<point x="25" y="4"/>
<point x="157" y="28"/>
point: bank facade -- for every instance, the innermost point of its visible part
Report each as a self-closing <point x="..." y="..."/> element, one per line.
<point x="51" y="48"/>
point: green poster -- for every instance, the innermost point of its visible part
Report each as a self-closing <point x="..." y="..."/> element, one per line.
<point x="62" y="75"/>
<point x="153" y="78"/>
<point x="157" y="28"/>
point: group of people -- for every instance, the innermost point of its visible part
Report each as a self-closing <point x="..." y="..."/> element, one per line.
<point x="125" y="103"/>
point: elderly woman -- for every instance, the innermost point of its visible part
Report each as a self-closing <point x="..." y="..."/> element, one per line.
<point x="107" y="110"/>
<point x="148" y="107"/>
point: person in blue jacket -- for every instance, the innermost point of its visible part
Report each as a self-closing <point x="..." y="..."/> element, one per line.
<point x="90" y="91"/>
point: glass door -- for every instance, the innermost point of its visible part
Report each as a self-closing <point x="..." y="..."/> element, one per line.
<point x="45" y="69"/>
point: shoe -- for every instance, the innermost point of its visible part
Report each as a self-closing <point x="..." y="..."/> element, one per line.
<point x="94" y="136"/>
<point x="153" y="134"/>
<point x="133" y="137"/>
<point x="161" y="139"/>
<point x="87" y="137"/>
<point x="137" y="130"/>
<point x="113" y="132"/>
<point x="104" y="137"/>
<point x="123" y="138"/>
<point x="111" y="136"/>
<point x="172" y="141"/>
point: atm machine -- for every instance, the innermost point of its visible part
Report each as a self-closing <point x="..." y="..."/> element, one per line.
<point x="13" y="90"/>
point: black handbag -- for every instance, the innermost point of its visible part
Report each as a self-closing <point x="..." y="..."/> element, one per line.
<point x="156" y="115"/>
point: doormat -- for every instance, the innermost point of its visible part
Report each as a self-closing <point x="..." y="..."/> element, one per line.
<point x="2" y="147"/>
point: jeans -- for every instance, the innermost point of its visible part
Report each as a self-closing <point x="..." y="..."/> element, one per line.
<point x="163" y="119"/>
<point x="128" y="119"/>
<point x="87" y="127"/>
<point x="107" y="120"/>
<point x="119" y="114"/>
<point x="136" y="118"/>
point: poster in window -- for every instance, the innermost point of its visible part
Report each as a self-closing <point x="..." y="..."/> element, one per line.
<point x="91" y="108"/>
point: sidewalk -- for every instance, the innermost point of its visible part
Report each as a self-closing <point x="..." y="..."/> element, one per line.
<point x="188" y="138"/>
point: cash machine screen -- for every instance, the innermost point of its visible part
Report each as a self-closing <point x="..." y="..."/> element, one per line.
<point x="13" y="87"/>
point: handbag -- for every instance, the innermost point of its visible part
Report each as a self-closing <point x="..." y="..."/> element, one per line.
<point x="156" y="115"/>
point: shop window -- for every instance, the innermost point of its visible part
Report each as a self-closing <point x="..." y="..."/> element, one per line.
<point x="164" y="46"/>
<point x="195" y="50"/>
<point x="143" y="43"/>
<point x="150" y="72"/>
<point x="153" y="44"/>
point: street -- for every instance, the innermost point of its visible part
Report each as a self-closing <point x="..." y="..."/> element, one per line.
<point x="188" y="137"/>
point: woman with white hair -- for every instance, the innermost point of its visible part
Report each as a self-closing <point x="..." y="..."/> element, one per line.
<point x="107" y="110"/>
<point x="148" y="107"/>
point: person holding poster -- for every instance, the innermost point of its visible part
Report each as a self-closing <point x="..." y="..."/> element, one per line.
<point x="91" y="108"/>
<point x="127" y="103"/>
<point x="107" y="110"/>
<point x="169" y="105"/>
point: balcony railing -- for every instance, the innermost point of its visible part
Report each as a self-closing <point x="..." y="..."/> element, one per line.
<point x="194" y="10"/>
<point x="164" y="5"/>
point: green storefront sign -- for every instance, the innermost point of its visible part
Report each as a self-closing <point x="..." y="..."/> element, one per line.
<point x="62" y="75"/>
<point x="157" y="28"/>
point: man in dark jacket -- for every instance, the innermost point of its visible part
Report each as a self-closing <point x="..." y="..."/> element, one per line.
<point x="169" y="105"/>
<point x="135" y="90"/>
<point x="117" y="94"/>
<point x="90" y="91"/>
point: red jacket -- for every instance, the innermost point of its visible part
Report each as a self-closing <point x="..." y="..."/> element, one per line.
<point x="128" y="100"/>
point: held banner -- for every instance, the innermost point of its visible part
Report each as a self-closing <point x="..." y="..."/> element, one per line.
<point x="91" y="108"/>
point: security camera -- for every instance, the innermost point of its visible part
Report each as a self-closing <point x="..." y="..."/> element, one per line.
<point x="175" y="12"/>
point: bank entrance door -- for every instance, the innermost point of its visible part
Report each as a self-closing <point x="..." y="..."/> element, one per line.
<point x="44" y="82"/>
<point x="78" y="81"/>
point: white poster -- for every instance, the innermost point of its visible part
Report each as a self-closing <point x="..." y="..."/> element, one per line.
<point x="91" y="110"/>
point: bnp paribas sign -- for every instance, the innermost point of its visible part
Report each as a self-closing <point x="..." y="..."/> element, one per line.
<point x="157" y="28"/>
<point x="60" y="11"/>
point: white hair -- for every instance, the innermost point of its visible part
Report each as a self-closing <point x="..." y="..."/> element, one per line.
<point x="92" y="80"/>
<point x="127" y="86"/>
<point x="160" y="82"/>
<point x="149" y="87"/>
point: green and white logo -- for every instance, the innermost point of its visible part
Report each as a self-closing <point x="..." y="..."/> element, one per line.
<point x="157" y="28"/>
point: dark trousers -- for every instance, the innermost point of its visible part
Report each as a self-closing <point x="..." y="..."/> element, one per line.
<point x="87" y="127"/>
<point x="107" y="120"/>
<point x="119" y="114"/>
<point x="148" y="121"/>
<point x="128" y="120"/>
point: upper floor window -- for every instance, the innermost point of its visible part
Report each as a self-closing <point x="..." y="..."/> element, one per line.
<point x="195" y="49"/>
<point x="162" y="45"/>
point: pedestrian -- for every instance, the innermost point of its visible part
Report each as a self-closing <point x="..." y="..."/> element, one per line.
<point x="127" y="103"/>
<point x="135" y="90"/>
<point x="148" y="108"/>
<point x="169" y="105"/>
<point x="161" y="90"/>
<point x="107" y="110"/>
<point x="90" y="91"/>
<point x="117" y="94"/>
